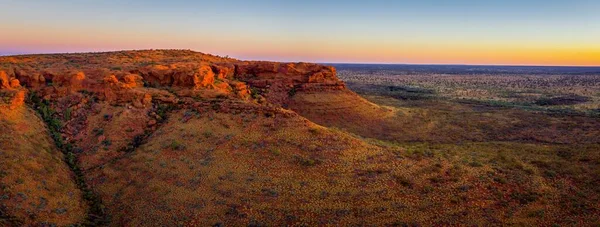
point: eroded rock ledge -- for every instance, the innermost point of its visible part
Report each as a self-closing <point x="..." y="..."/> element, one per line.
<point x="131" y="77"/>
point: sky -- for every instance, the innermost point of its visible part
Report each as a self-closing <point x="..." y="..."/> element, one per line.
<point x="508" y="32"/>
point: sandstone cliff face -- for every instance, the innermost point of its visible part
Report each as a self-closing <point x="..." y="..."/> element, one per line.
<point x="132" y="87"/>
<point x="12" y="90"/>
<point x="8" y="83"/>
<point x="206" y="77"/>
<point x="303" y="75"/>
<point x="281" y="80"/>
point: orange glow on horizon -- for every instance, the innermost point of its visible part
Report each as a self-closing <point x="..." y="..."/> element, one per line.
<point x="351" y="50"/>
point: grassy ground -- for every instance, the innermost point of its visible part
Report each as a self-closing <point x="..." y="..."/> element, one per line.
<point x="580" y="93"/>
<point x="210" y="167"/>
<point x="207" y="167"/>
<point x="36" y="186"/>
<point x="450" y="121"/>
<point x="489" y="161"/>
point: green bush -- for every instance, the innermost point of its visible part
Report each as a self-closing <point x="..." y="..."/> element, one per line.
<point x="292" y="92"/>
<point x="176" y="146"/>
<point x="106" y="142"/>
<point x="68" y="114"/>
<point x="98" y="131"/>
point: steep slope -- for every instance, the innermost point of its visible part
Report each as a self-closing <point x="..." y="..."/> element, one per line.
<point x="36" y="186"/>
<point x="316" y="93"/>
<point x="310" y="89"/>
<point x="247" y="164"/>
<point x="345" y="110"/>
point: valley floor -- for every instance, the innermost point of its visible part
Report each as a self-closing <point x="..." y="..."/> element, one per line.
<point x="508" y="164"/>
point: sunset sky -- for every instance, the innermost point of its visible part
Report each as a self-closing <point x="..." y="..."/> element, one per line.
<point x="525" y="32"/>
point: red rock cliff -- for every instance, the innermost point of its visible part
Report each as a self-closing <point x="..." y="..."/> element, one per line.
<point x="119" y="77"/>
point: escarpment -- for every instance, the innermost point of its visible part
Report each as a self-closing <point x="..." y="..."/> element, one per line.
<point x="122" y="120"/>
<point x="282" y="80"/>
<point x="121" y="78"/>
<point x="12" y="91"/>
<point x="111" y="113"/>
<point x="143" y="80"/>
<point x="138" y="85"/>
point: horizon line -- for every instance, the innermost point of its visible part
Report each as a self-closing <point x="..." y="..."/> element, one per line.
<point x="459" y="64"/>
<point x="317" y="62"/>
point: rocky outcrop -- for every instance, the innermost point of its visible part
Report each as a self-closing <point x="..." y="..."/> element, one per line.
<point x="14" y="83"/>
<point x="29" y="78"/>
<point x="71" y="80"/>
<point x="12" y="91"/>
<point x="195" y="77"/>
<point x="265" y="73"/>
<point x="133" y="81"/>
<point x="280" y="81"/>
<point x="207" y="77"/>
<point x="4" y="81"/>
<point x="7" y="82"/>
<point x="116" y="91"/>
<point x="224" y="71"/>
